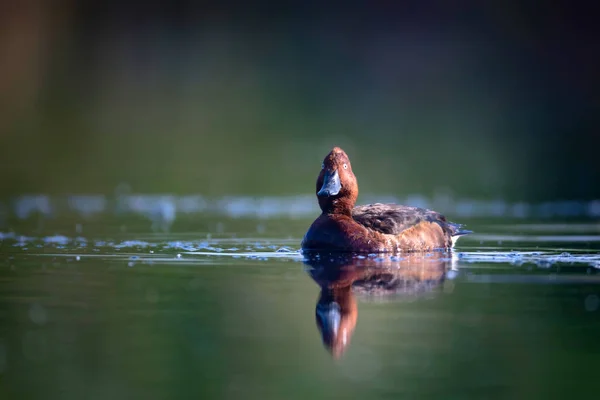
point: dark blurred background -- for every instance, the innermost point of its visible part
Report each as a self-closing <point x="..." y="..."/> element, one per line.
<point x="479" y="99"/>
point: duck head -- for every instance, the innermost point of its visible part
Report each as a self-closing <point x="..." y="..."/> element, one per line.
<point x="336" y="314"/>
<point x="337" y="189"/>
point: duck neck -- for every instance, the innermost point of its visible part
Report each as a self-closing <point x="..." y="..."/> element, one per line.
<point x="337" y="206"/>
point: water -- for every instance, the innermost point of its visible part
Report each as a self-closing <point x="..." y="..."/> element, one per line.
<point x="93" y="310"/>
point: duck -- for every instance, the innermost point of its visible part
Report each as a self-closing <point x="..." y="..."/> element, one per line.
<point x="372" y="228"/>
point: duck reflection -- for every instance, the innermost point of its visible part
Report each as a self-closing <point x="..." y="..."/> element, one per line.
<point x="342" y="277"/>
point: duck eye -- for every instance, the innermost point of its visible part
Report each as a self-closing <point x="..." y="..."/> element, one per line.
<point x="345" y="166"/>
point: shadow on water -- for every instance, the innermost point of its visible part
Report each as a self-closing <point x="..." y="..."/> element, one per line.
<point x="341" y="277"/>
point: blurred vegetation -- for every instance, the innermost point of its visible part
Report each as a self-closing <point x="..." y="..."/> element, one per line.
<point x="490" y="102"/>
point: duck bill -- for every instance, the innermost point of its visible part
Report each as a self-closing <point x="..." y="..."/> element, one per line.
<point x="328" y="320"/>
<point x="331" y="184"/>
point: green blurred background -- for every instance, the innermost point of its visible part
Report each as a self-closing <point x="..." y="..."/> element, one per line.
<point x="479" y="100"/>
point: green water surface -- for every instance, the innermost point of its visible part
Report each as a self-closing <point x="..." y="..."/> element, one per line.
<point x="160" y="316"/>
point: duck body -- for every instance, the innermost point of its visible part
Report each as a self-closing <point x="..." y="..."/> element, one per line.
<point x="379" y="228"/>
<point x="373" y="228"/>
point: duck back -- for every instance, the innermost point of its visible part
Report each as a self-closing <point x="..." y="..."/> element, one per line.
<point x="393" y="219"/>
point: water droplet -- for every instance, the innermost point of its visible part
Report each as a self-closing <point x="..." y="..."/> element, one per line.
<point x="592" y="302"/>
<point x="451" y="274"/>
<point x="544" y="263"/>
<point x="37" y="314"/>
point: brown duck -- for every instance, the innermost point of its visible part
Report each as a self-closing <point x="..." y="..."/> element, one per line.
<point x="372" y="228"/>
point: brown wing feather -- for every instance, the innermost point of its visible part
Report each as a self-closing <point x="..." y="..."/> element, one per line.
<point x="393" y="219"/>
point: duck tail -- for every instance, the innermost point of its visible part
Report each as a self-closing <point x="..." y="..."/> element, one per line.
<point x="462" y="232"/>
<point x="457" y="230"/>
